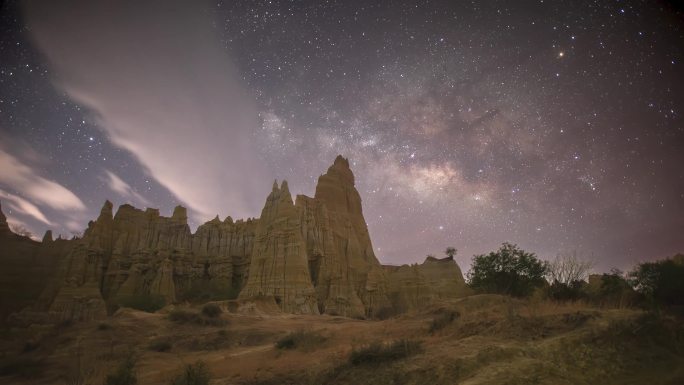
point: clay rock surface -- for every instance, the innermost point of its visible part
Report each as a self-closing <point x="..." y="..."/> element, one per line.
<point x="279" y="265"/>
<point x="312" y="256"/>
<point x="414" y="286"/>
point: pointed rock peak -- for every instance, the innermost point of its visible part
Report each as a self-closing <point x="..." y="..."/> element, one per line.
<point x="216" y="219"/>
<point x="228" y="219"/>
<point x="180" y="214"/>
<point x="341" y="161"/>
<point x="284" y="188"/>
<point x="275" y="185"/>
<point x="47" y="237"/>
<point x="106" y="210"/>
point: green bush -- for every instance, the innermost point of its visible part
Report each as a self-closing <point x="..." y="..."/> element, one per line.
<point x="160" y="345"/>
<point x="660" y="282"/>
<point x="300" y="339"/>
<point x="145" y="302"/>
<point x="377" y="353"/>
<point x="124" y="374"/>
<point x="211" y="310"/>
<point x="194" y="374"/>
<point x="509" y="270"/>
<point x="442" y="320"/>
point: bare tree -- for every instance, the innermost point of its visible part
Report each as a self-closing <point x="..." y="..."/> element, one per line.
<point x="567" y="269"/>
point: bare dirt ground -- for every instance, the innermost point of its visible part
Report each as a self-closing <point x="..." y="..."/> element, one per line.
<point x="483" y="339"/>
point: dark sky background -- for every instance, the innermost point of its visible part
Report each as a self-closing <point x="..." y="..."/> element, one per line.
<point x="556" y="125"/>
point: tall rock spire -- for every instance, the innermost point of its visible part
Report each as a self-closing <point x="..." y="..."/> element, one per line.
<point x="279" y="265"/>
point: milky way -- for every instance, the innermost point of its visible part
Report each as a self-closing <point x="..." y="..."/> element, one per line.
<point x="553" y="125"/>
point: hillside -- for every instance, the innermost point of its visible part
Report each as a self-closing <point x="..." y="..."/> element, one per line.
<point x="483" y="339"/>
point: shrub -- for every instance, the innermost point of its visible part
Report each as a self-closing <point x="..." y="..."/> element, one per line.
<point x="104" y="326"/>
<point x="21" y="366"/>
<point x="194" y="374"/>
<point x="572" y="291"/>
<point x="300" y="339"/>
<point x="443" y="320"/>
<point x="660" y="282"/>
<point x="145" y="302"/>
<point x="160" y="345"/>
<point x="509" y="270"/>
<point x="377" y="353"/>
<point x="124" y="374"/>
<point x="211" y="310"/>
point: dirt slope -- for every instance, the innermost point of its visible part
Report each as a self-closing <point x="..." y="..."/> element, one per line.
<point x="483" y="339"/>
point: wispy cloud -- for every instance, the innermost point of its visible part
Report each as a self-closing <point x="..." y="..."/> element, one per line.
<point x="163" y="88"/>
<point x="122" y="188"/>
<point x="22" y="178"/>
<point x="23" y="206"/>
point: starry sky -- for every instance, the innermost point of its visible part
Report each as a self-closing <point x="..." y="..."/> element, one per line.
<point x="556" y="125"/>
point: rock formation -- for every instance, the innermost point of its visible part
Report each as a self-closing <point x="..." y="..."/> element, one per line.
<point x="279" y="265"/>
<point x="413" y="286"/>
<point x="312" y="256"/>
<point x="26" y="267"/>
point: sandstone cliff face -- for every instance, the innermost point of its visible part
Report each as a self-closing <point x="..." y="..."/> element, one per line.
<point x="313" y="256"/>
<point x="414" y="286"/>
<point x="138" y="253"/>
<point x="279" y="265"/>
<point x="26" y="266"/>
<point x="348" y="277"/>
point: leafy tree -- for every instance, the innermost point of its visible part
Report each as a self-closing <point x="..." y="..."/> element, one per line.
<point x="450" y="251"/>
<point x="509" y="270"/>
<point x="614" y="290"/>
<point x="661" y="282"/>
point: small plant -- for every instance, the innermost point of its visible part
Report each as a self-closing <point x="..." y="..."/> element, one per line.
<point x="442" y="320"/>
<point x="300" y="339"/>
<point x="160" y="345"/>
<point x="183" y="316"/>
<point x="104" y="326"/>
<point x="194" y="374"/>
<point x="377" y="352"/>
<point x="211" y="310"/>
<point x="124" y="374"/>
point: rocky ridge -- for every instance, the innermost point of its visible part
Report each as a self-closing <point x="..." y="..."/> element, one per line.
<point x="310" y="256"/>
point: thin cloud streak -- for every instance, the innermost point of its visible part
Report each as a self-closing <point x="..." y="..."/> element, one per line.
<point x="163" y="88"/>
<point x="21" y="177"/>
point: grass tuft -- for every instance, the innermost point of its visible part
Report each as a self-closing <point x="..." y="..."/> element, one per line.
<point x="193" y="374"/>
<point x="377" y="352"/>
<point x="300" y="339"/>
<point x="443" y="320"/>
<point x="160" y="345"/>
<point x="186" y="316"/>
<point x="211" y="310"/>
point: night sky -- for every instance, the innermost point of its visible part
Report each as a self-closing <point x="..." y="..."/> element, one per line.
<point x="556" y="125"/>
